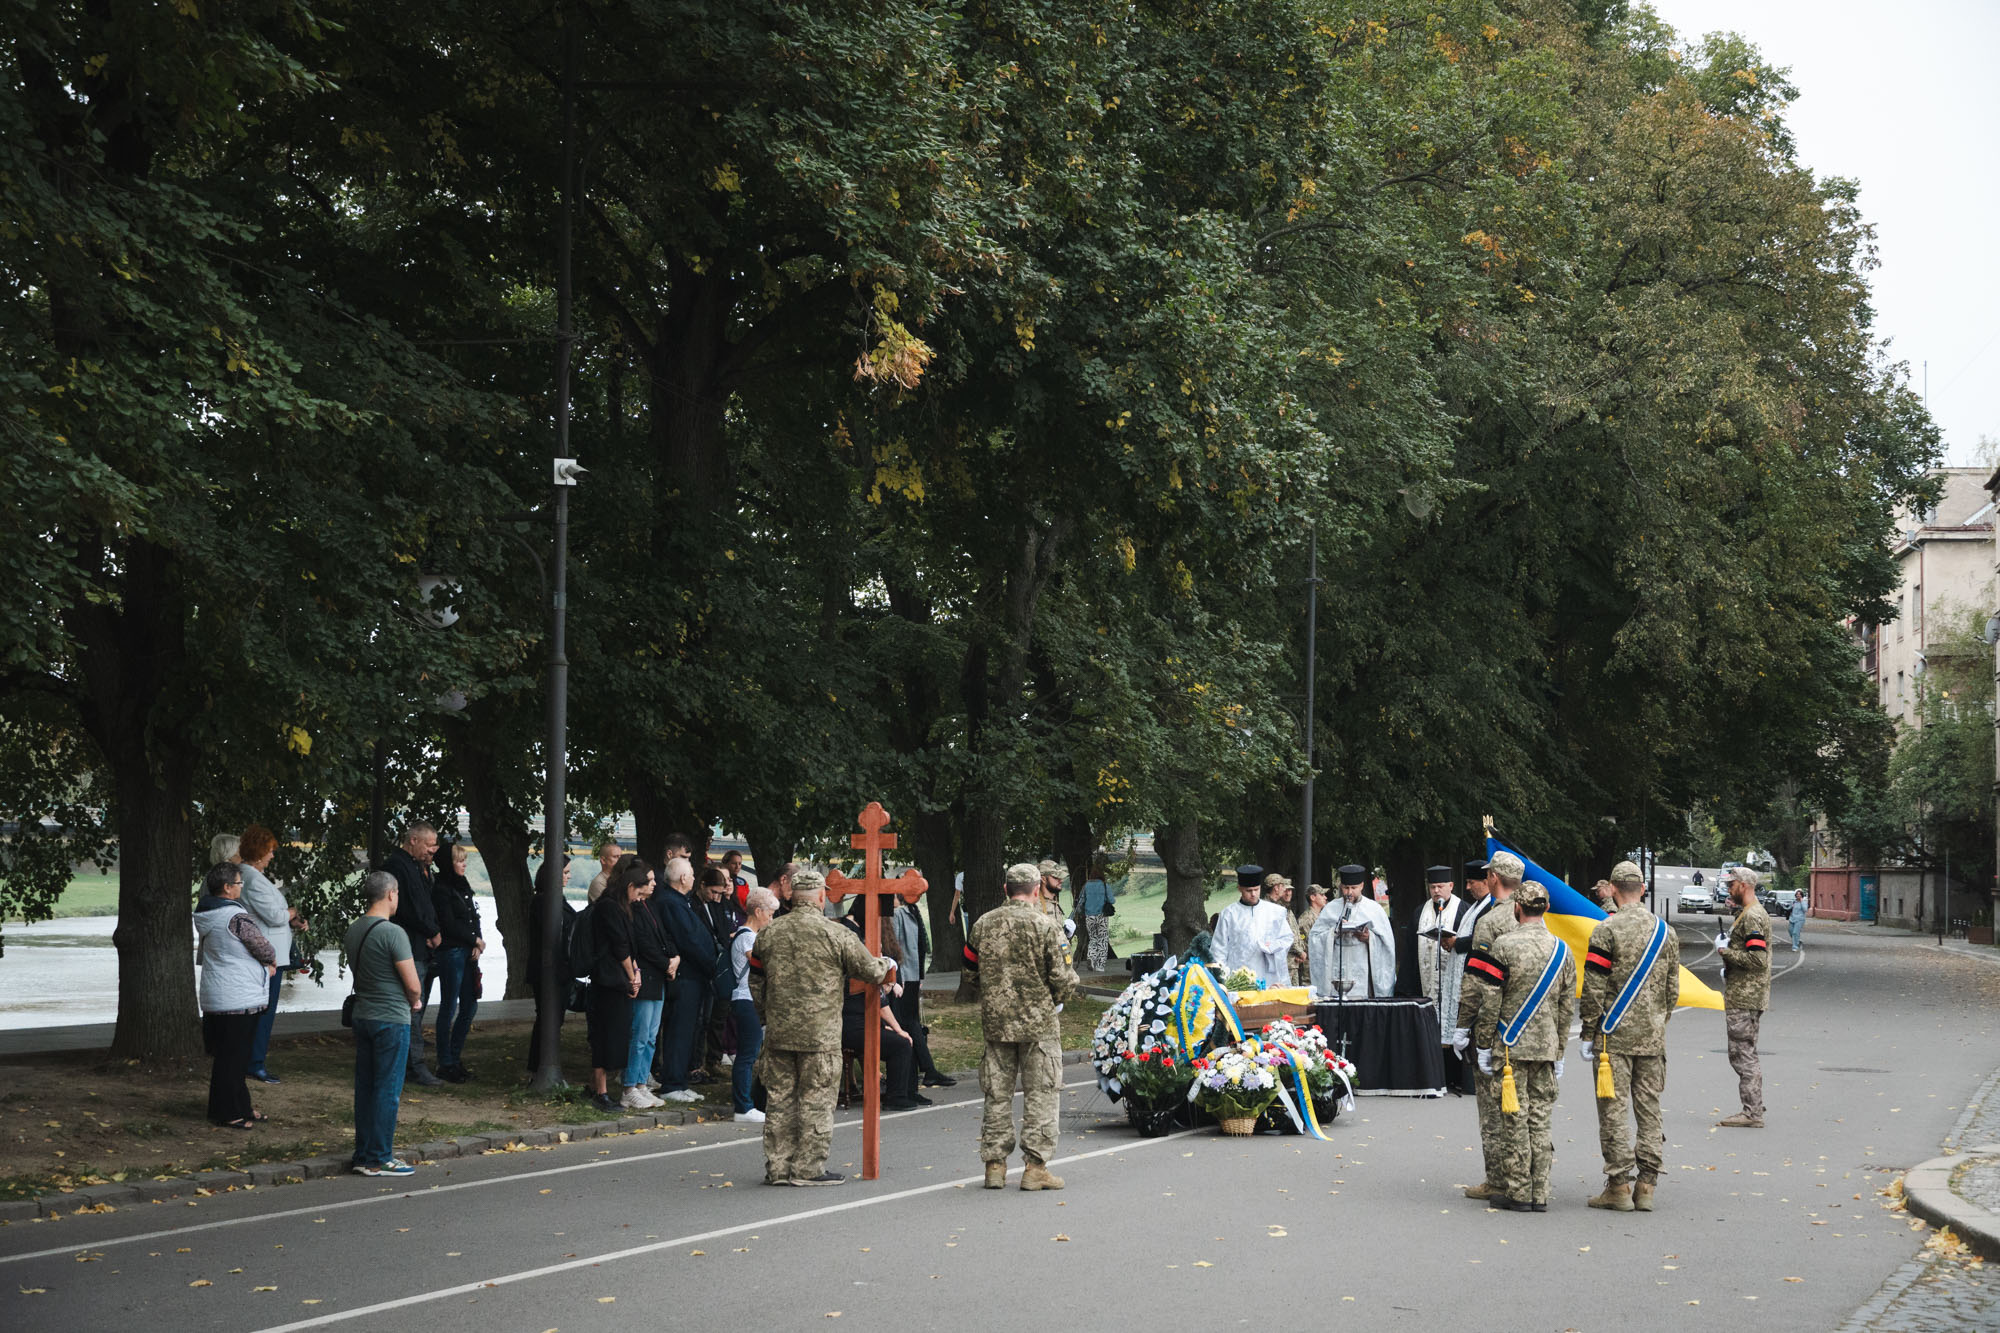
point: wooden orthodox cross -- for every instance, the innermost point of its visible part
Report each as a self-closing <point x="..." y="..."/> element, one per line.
<point x="909" y="886"/>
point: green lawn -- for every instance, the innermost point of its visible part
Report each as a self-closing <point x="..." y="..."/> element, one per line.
<point x="87" y="895"/>
<point x="1142" y="902"/>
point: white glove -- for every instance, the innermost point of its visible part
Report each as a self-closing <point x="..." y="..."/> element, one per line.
<point x="1069" y="927"/>
<point x="1721" y="939"/>
<point x="1559" y="1071"/>
<point x="1059" y="1008"/>
<point x="1460" y="1039"/>
<point x="1485" y="1060"/>
<point x="1589" y="1051"/>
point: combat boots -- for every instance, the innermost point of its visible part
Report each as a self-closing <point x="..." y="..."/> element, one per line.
<point x="996" y="1175"/>
<point x="1642" y="1194"/>
<point x="1741" y="1120"/>
<point x="1617" y="1195"/>
<point x="1036" y="1177"/>
<point x="1480" y="1191"/>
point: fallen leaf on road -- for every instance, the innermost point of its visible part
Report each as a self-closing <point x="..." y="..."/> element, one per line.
<point x="701" y="1253"/>
<point x="1059" y="1236"/>
<point x="545" y="1191"/>
<point x="201" y="1282"/>
<point x="1203" y="1263"/>
<point x="1794" y="1279"/>
<point x="606" y="1300"/>
<point x="34" y="1291"/>
<point x="263" y="1288"/>
<point x="315" y="1301"/>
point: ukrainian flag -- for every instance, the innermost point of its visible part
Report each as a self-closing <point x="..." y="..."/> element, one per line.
<point x="1571" y="916"/>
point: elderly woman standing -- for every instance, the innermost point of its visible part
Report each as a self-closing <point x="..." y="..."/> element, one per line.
<point x="266" y="902"/>
<point x="237" y="963"/>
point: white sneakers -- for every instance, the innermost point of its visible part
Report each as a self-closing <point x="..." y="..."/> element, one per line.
<point x="682" y="1095"/>
<point x="638" y="1099"/>
<point x="753" y="1116"/>
<point x="727" y="1060"/>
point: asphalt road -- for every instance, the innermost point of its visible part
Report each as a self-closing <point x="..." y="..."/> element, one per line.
<point x="1871" y="1050"/>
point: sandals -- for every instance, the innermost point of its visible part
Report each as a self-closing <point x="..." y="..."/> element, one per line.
<point x="259" y="1117"/>
<point x="238" y="1124"/>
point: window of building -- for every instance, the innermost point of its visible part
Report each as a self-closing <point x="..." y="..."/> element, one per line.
<point x="1917" y="610"/>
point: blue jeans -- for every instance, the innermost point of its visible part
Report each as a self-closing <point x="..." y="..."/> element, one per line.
<point x="260" y="1044"/>
<point x="683" y="1031"/>
<point x="426" y="973"/>
<point x="1798" y="929"/>
<point x="455" y="1007"/>
<point x="379" y="1052"/>
<point x="749" y="1041"/>
<point x="645" y="1034"/>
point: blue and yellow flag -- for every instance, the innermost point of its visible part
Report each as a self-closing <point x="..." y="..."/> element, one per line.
<point x="1571" y="916"/>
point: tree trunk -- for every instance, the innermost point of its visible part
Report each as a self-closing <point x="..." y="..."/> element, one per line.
<point x="500" y="831"/>
<point x="985" y="871"/>
<point x="158" y="1016"/>
<point x="659" y="810"/>
<point x="1179" y="846"/>
<point x="770" y="849"/>
<point x="930" y="840"/>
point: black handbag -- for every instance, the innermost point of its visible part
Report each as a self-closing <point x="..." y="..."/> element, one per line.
<point x="347" y="1005"/>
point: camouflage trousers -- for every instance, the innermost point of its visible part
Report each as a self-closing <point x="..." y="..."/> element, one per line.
<point x="1639" y="1079"/>
<point x="1037" y="1065"/>
<point x="1742" y="1025"/>
<point x="798" y="1124"/>
<point x="1527" y="1149"/>
<point x="1486" y="1090"/>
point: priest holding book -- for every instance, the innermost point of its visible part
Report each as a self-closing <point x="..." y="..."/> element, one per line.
<point x="1353" y="942"/>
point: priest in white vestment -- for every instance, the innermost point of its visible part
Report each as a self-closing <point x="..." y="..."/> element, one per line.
<point x="1254" y="932"/>
<point x="1353" y="941"/>
<point x="1438" y="929"/>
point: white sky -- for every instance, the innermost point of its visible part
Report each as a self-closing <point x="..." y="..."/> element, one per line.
<point x="1903" y="98"/>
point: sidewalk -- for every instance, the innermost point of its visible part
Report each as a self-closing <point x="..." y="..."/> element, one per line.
<point x="289" y="1023"/>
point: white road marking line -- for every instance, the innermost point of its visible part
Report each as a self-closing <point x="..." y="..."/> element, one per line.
<point x="530" y="1274"/>
<point x="321" y="1209"/>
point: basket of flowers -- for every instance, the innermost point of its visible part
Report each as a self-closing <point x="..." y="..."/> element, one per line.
<point x="1235" y="1084"/>
<point x="1328" y="1079"/>
<point x="1155" y="1089"/>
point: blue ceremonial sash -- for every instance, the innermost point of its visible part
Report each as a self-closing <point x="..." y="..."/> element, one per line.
<point x="1516" y="1025"/>
<point x="1636" y="980"/>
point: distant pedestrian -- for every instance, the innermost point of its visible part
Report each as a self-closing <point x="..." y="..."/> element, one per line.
<point x="807" y="962"/>
<point x="1746" y="993"/>
<point x="266" y="901"/>
<point x="386" y="994"/>
<point x="410" y="863"/>
<point x="913" y="941"/>
<point x="1097" y="909"/>
<point x="1016" y="967"/>
<point x="614" y="979"/>
<point x="692" y="938"/>
<point x="1797" y="916"/>
<point x="236" y="965"/>
<point x="763" y="906"/>
<point x="609" y="853"/>
<point x="461" y="942"/>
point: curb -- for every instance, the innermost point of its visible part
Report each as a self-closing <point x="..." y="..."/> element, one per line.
<point x="1928" y="1194"/>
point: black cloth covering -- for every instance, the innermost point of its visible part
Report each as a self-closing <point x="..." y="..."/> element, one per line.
<point x="1392" y="1042"/>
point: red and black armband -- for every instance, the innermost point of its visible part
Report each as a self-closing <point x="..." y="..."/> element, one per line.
<point x="1597" y="961"/>
<point x="1485" y="966"/>
<point x="971" y="959"/>
<point x="1755" y="940"/>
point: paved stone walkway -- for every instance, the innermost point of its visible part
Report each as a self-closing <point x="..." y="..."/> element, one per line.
<point x="1945" y="1288"/>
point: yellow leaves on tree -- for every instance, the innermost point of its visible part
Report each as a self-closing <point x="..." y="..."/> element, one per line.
<point x="898" y="357"/>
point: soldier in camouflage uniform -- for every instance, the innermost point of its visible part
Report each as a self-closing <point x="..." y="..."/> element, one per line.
<point x="807" y="961"/>
<point x="1512" y="967"/>
<point x="1503" y="877"/>
<point x="1315" y="904"/>
<point x="1015" y="965"/>
<point x="1637" y="1046"/>
<point x="1746" y="993"/>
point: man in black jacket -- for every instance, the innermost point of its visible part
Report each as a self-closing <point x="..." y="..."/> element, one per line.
<point x="689" y="933"/>
<point x="417" y="915"/>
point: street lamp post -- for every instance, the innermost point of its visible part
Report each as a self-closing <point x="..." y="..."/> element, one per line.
<point x="554" y="989"/>
<point x="1312" y="641"/>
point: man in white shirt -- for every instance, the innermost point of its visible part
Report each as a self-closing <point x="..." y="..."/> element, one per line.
<point x="1353" y="941"/>
<point x="1254" y="932"/>
<point x="1437" y="932"/>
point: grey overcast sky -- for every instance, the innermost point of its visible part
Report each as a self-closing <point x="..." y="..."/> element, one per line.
<point x="1902" y="98"/>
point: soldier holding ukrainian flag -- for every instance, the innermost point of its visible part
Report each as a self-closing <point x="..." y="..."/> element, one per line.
<point x="1631" y="980"/>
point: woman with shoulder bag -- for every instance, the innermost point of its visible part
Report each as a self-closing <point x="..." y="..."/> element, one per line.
<point x="614" y="979"/>
<point x="237" y="963"/>
<point x="1098" y="907"/>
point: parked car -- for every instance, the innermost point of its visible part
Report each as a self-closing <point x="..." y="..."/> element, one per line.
<point x="1768" y="900"/>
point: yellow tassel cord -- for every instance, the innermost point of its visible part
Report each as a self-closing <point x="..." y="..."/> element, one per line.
<point x="1606" y="1089"/>
<point x="1510" y="1100"/>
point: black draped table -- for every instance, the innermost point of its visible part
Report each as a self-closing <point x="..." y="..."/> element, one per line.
<point x="1393" y="1044"/>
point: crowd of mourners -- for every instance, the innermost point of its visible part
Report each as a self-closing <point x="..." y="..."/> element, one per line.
<point x="663" y="964"/>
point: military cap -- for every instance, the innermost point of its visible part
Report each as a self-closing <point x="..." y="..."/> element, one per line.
<point x="1023" y="874"/>
<point x="1351" y="874"/>
<point x="1052" y="868"/>
<point x="1625" y="872"/>
<point x="1274" y="879"/>
<point x="1531" y="894"/>
<point x="1507" y="866"/>
<point x="1475" y="869"/>
<point x="1438" y="875"/>
<point x="808" y="881"/>
<point x="1249" y="877"/>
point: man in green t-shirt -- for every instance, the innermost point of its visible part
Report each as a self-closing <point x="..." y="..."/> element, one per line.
<point x="386" y="993"/>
